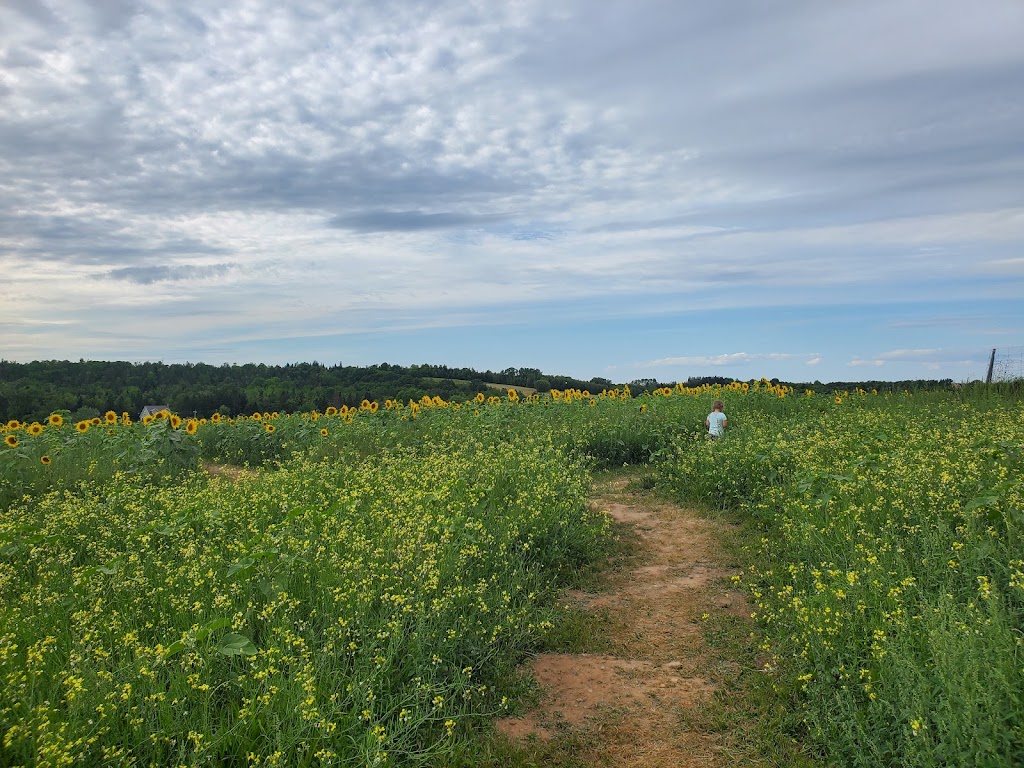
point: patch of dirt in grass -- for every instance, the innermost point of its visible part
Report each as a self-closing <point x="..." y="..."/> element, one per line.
<point x="637" y="703"/>
<point x="229" y="471"/>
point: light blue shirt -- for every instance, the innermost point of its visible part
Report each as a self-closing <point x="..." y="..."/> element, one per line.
<point x="716" y="423"/>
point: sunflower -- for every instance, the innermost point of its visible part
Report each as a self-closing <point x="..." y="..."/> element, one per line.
<point x="95" y="421"/>
<point x="175" y="420"/>
<point x="323" y="432"/>
<point x="45" y="460"/>
<point x="331" y="411"/>
<point x="35" y="428"/>
<point x="374" y="407"/>
<point x="838" y="399"/>
<point x="215" y="418"/>
<point x="147" y="419"/>
<point x="365" y="405"/>
<point x="257" y="416"/>
<point x="191" y="426"/>
<point x="55" y="419"/>
<point x="83" y="426"/>
<point x="110" y="417"/>
<point x="269" y="427"/>
<point x="479" y="397"/>
<point x="11" y="441"/>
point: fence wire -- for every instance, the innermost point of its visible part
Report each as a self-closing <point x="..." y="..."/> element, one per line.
<point x="1008" y="364"/>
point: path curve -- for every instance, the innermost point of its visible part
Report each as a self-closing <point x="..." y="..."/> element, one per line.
<point x="635" y="704"/>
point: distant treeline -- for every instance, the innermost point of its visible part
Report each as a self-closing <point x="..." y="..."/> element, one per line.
<point x="32" y="391"/>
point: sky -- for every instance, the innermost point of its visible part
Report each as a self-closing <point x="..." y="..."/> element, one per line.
<point x="625" y="189"/>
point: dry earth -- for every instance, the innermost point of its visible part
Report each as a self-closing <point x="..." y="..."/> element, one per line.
<point x="636" y="705"/>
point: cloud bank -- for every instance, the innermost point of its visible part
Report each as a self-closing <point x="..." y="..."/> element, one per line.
<point x="225" y="178"/>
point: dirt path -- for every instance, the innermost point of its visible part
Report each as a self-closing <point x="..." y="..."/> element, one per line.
<point x="640" y="703"/>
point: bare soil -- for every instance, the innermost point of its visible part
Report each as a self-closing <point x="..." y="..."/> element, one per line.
<point x="636" y="705"/>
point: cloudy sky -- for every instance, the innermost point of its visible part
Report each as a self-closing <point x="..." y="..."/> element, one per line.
<point x="626" y="188"/>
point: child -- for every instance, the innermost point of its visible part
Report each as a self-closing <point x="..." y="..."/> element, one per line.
<point x="716" y="421"/>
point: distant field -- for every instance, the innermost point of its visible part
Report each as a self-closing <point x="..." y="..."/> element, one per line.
<point x="505" y="387"/>
<point x="493" y="385"/>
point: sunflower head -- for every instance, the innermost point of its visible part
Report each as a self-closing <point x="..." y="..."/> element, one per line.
<point x="175" y="420"/>
<point x="83" y="425"/>
<point x="269" y="427"/>
<point x="191" y="426"/>
<point x="45" y="460"/>
<point x="323" y="432"/>
<point x="110" y="417"/>
<point x="35" y="428"/>
<point x="55" y="419"/>
<point x="11" y="441"/>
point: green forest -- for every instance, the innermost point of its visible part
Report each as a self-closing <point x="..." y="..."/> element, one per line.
<point x="85" y="389"/>
<point x="89" y="388"/>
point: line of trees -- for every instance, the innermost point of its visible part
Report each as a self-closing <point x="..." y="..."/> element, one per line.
<point x="32" y="391"/>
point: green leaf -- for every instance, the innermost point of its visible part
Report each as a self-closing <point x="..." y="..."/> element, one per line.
<point x="110" y="568"/>
<point x="981" y="501"/>
<point x="236" y="645"/>
<point x="211" y="626"/>
<point x="242" y="565"/>
<point x="174" y="648"/>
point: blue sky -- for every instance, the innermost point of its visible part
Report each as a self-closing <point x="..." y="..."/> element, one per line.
<point x="626" y="189"/>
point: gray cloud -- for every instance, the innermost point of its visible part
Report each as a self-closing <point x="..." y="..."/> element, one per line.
<point x="410" y="221"/>
<point x="158" y="273"/>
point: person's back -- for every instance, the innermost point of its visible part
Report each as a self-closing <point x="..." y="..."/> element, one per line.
<point x="716" y="422"/>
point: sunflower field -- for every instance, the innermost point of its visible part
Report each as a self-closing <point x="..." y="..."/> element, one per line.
<point x="357" y="587"/>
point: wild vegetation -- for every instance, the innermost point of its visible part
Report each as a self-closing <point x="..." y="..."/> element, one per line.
<point x="356" y="586"/>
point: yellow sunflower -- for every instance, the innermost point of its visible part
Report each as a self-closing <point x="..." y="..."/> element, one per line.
<point x="191" y="426"/>
<point x="55" y="419"/>
<point x="269" y="427"/>
<point x="11" y="441"/>
<point x="323" y="432"/>
<point x="83" y="425"/>
<point x="110" y="417"/>
<point x="35" y="428"/>
<point x="175" y="420"/>
<point x="45" y="460"/>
